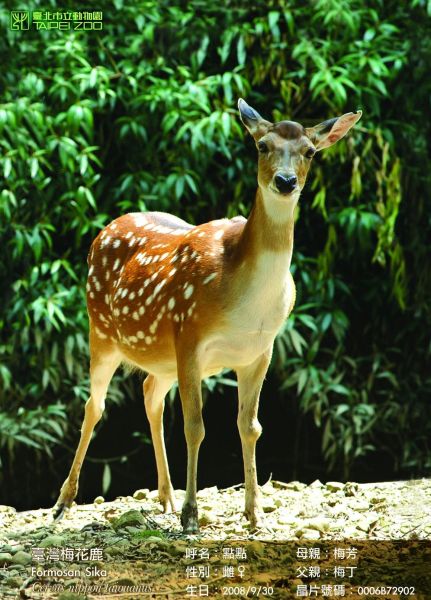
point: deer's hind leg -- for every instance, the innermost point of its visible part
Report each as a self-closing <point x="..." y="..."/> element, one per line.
<point x="155" y="390"/>
<point x="104" y="360"/>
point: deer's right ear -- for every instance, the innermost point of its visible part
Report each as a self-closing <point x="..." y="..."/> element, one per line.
<point x="256" y="125"/>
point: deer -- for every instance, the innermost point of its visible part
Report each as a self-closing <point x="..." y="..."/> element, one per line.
<point x="183" y="302"/>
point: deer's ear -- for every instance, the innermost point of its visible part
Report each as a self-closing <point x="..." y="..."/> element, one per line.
<point x="256" y="125"/>
<point x="327" y="133"/>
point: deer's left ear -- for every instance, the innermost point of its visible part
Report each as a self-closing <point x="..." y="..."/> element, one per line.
<point x="327" y="133"/>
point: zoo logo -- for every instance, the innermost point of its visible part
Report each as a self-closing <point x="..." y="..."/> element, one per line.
<point x="19" y="20"/>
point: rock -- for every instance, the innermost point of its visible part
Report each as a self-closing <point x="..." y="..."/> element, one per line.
<point x="211" y="491"/>
<point x="5" y="557"/>
<point x="351" y="489"/>
<point x="13" y="582"/>
<point x="204" y="519"/>
<point x="316" y="484"/>
<point x="141" y="494"/>
<point x="52" y="540"/>
<point x="363" y="525"/>
<point x="99" y="500"/>
<point x="320" y="524"/>
<point x="308" y="534"/>
<point x="153" y="495"/>
<point x="21" y="558"/>
<point x="255" y="549"/>
<point x="17" y="548"/>
<point x="267" y="508"/>
<point x="334" y="486"/>
<point x="131" y="518"/>
<point x="297" y="486"/>
<point x="155" y="539"/>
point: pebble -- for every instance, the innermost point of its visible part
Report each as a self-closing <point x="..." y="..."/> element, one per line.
<point x="99" y="500"/>
<point x="308" y="534"/>
<point x="204" y="519"/>
<point x="334" y="486"/>
<point x="52" y="540"/>
<point x="21" y="558"/>
<point x="316" y="484"/>
<point x="141" y="494"/>
<point x="129" y="519"/>
<point x="5" y="557"/>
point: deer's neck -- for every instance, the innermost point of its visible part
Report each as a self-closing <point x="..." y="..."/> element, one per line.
<point x="268" y="233"/>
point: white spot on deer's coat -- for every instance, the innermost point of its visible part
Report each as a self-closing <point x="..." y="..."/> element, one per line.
<point x="176" y="318"/>
<point x="116" y="312"/>
<point x="153" y="327"/>
<point x="159" y="287"/>
<point x="209" y="278"/>
<point x="132" y="296"/>
<point x="124" y="293"/>
<point x="136" y="315"/>
<point x="129" y="234"/>
<point x="107" y="275"/>
<point x="116" y="243"/>
<point x="141" y="310"/>
<point x="188" y="291"/>
<point x="171" y="303"/>
<point x="104" y="261"/>
<point x="125" y="310"/>
<point x="171" y="272"/>
<point x="116" y="264"/>
<point x="100" y="334"/>
<point x="140" y="335"/>
<point x="106" y="241"/>
<point x="147" y="339"/>
<point x="106" y="299"/>
<point x="219" y="234"/>
<point x="91" y="269"/>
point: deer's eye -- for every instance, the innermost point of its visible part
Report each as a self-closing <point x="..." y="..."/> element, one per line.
<point x="262" y="147"/>
<point x="310" y="153"/>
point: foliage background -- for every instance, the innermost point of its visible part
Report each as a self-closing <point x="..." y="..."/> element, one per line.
<point x="142" y="116"/>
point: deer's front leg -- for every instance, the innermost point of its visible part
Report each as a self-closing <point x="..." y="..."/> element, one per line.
<point x="250" y="381"/>
<point x="189" y="383"/>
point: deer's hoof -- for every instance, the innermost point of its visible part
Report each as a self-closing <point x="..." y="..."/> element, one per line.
<point x="189" y="519"/>
<point x="255" y="519"/>
<point x="59" y="511"/>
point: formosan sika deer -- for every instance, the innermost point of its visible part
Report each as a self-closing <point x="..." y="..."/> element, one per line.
<point x="183" y="302"/>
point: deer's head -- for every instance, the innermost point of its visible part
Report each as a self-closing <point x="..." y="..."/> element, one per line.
<point x="286" y="150"/>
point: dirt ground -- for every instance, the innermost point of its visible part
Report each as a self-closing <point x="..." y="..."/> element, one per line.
<point x="321" y="540"/>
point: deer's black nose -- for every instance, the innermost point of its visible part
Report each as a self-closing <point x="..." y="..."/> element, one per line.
<point x="285" y="184"/>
